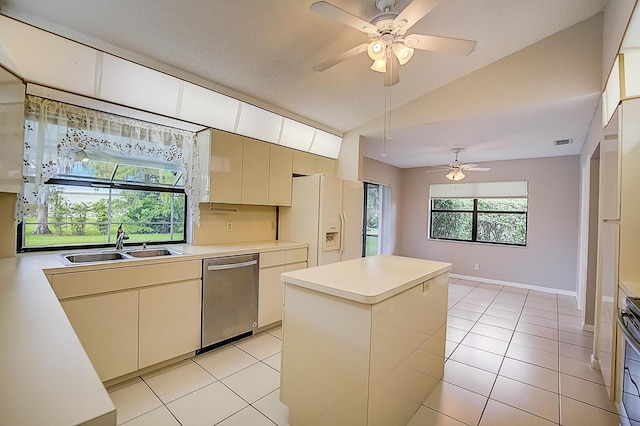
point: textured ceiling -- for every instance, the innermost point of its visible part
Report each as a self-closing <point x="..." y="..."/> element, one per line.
<point x="264" y="51"/>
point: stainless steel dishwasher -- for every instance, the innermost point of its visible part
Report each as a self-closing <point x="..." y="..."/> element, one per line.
<point x="229" y="299"/>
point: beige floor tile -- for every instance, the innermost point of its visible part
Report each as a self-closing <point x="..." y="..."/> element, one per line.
<point x="576" y="413"/>
<point x="586" y="391"/>
<point x="526" y="397"/>
<point x="246" y="416"/>
<point x="542" y="305"/>
<point x="225" y="362"/>
<point x="532" y="341"/>
<point x="492" y="331"/>
<point x="260" y="346"/>
<point x="507" y="305"/>
<point x="545" y="322"/>
<point x="498" y="322"/>
<point x="540" y="313"/>
<point x="584" y="340"/>
<point x="124" y="384"/>
<point x="537" y="330"/>
<point x="477" y="358"/>
<point x="533" y="356"/>
<point x="167" y="368"/>
<point x="274" y="361"/>
<point x="468" y="377"/>
<point x="464" y="314"/>
<point x="449" y="348"/>
<point x="276" y="332"/>
<point x="133" y="401"/>
<point x="581" y="369"/>
<point x="471" y="306"/>
<point x="502" y="313"/>
<point x="253" y="382"/>
<point x="499" y="414"/>
<point x="485" y="343"/>
<point x="180" y="381"/>
<point x="529" y="373"/>
<point x="455" y="334"/>
<point x="271" y="407"/>
<point x="456" y="402"/>
<point x="427" y="416"/>
<point x="576" y="352"/>
<point x="206" y="406"/>
<point x="459" y="323"/>
<point x="159" y="417"/>
<point x="569" y="311"/>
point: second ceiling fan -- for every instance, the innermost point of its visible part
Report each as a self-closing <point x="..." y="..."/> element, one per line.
<point x="389" y="45"/>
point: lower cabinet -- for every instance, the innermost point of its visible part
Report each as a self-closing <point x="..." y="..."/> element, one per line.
<point x="169" y="321"/>
<point x="270" y="291"/>
<point x="107" y="326"/>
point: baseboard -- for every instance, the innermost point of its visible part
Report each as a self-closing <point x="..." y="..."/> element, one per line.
<point x="518" y="285"/>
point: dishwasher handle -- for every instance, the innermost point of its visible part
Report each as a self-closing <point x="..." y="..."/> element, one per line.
<point x="231" y="265"/>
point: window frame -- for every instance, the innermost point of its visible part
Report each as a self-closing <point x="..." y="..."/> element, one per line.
<point x="89" y="183"/>
<point x="474" y="221"/>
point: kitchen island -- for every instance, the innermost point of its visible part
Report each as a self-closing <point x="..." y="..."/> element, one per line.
<point x="363" y="340"/>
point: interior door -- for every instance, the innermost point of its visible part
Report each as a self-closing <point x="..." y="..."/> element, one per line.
<point x="352" y="210"/>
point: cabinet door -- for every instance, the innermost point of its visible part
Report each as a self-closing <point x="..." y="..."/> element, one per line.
<point x="169" y="321"/>
<point x="255" y="172"/>
<point x="325" y="165"/>
<point x="107" y="326"/>
<point x="226" y="168"/>
<point x="304" y="163"/>
<point x="280" y="176"/>
<point x="270" y="295"/>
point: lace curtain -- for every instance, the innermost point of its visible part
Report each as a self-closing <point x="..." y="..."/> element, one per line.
<point x="55" y="132"/>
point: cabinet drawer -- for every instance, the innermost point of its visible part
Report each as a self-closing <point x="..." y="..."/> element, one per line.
<point x="296" y="255"/>
<point x="74" y="284"/>
<point x="272" y="258"/>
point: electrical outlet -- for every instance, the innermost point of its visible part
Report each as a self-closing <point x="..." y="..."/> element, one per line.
<point x="476" y="266"/>
<point x="229" y="226"/>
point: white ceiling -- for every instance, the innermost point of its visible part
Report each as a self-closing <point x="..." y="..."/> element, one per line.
<point x="264" y="51"/>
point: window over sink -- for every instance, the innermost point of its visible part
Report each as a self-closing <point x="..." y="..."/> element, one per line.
<point x="87" y="172"/>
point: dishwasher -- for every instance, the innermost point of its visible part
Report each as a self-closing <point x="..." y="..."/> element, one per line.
<point x="229" y="299"/>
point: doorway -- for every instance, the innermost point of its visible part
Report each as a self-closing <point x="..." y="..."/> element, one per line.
<point x="375" y="226"/>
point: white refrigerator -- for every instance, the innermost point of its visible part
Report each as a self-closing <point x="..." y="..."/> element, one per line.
<point x="326" y="213"/>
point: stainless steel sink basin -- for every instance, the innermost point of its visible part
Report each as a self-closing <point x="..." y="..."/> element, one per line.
<point x="93" y="257"/>
<point x="152" y="252"/>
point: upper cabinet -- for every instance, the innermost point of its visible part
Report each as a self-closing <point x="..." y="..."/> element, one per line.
<point x="243" y="170"/>
<point x="12" y="93"/>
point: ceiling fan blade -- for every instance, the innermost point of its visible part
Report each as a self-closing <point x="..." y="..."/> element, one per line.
<point x="392" y="75"/>
<point x="344" y="17"/>
<point x="436" y="170"/>
<point x="440" y="44"/>
<point x="415" y="11"/>
<point x="341" y="57"/>
<point x="478" y="169"/>
<point x="468" y="166"/>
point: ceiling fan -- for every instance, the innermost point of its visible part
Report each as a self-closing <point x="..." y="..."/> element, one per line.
<point x="457" y="167"/>
<point x="389" y="45"/>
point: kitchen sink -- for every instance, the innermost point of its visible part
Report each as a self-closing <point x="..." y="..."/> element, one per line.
<point x="152" y="252"/>
<point x="93" y="257"/>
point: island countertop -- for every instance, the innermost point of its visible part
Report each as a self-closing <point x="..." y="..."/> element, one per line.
<point x="368" y="280"/>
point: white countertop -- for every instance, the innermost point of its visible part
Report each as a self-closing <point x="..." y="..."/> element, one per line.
<point x="367" y="280"/>
<point x="46" y="378"/>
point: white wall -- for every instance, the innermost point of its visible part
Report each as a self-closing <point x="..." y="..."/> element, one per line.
<point x="376" y="172"/>
<point x="548" y="260"/>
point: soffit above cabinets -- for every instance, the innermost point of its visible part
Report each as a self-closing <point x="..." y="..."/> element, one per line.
<point x="48" y="61"/>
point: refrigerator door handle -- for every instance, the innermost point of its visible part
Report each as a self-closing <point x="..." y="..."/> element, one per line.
<point x="342" y="221"/>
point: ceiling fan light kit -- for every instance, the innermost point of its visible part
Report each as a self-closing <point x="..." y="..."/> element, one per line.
<point x="455" y="175"/>
<point x="389" y="45"/>
<point x="455" y="169"/>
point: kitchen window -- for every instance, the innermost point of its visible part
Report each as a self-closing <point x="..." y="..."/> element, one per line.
<point x="490" y="212"/>
<point x="87" y="172"/>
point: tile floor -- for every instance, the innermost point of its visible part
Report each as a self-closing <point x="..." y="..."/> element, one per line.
<point x="514" y="357"/>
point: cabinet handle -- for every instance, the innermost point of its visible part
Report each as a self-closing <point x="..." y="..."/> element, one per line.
<point x="231" y="265"/>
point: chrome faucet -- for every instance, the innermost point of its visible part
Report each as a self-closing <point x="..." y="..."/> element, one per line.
<point x="121" y="236"/>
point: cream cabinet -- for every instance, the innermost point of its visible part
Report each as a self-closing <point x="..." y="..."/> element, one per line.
<point x="12" y="92"/>
<point x="226" y="166"/>
<point x="169" y="321"/>
<point x="107" y="326"/>
<point x="280" y="175"/>
<point x="270" y="288"/>
<point x="305" y="163"/>
<point x="129" y="317"/>
<point x="255" y="172"/>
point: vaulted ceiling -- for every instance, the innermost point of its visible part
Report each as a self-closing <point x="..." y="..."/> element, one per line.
<point x="530" y="80"/>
